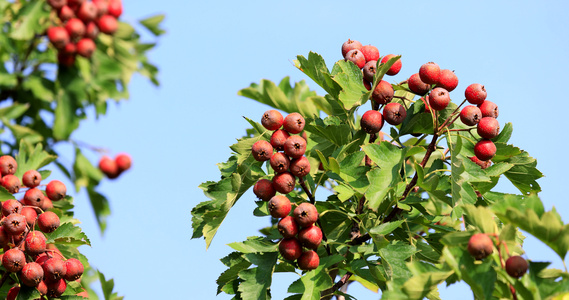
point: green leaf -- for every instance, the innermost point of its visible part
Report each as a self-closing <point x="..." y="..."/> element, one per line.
<point x="28" y="21"/>
<point x="29" y="158"/>
<point x="100" y="206"/>
<point x="108" y="287"/>
<point x="481" y="218"/>
<point x="257" y="281"/>
<point x="350" y="79"/>
<point x="27" y="293"/>
<point x="68" y="234"/>
<point x="236" y="263"/>
<point x="394" y="258"/>
<point x="153" y="24"/>
<point x="425" y="279"/>
<point x="70" y="88"/>
<point x="530" y="216"/>
<point x="254" y="244"/>
<point x="480" y="276"/>
<point x="208" y="215"/>
<point x="13" y="111"/>
<point x="85" y="173"/>
<point x="389" y="158"/>
<point x="505" y="134"/>
<point x="315" y="68"/>
<point x="42" y="88"/>
<point x="313" y="282"/>
<point x="462" y="192"/>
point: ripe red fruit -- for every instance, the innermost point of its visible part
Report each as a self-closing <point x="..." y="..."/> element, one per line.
<point x="91" y="30"/>
<point x="8" y="165"/>
<point x="35" y="243"/>
<point x="115" y="8"/>
<point x="42" y="287"/>
<point x="32" y="274"/>
<point x="47" y="204"/>
<point x="53" y="269"/>
<point x="31" y="178"/>
<point x="488" y="128"/>
<point x="284" y="182"/>
<point x="516" y="266"/>
<point x="448" y="80"/>
<point x="66" y="13"/>
<point x="48" y="221"/>
<point x="369" y="70"/>
<point x="489" y="109"/>
<point x="73" y="269"/>
<point x="308" y="260"/>
<point x="86" y="47"/>
<point x="394" y="113"/>
<point x="87" y="12"/>
<point x="34" y="197"/>
<point x="295" y="146"/>
<point x="14" y="224"/>
<point x="56" y="288"/>
<point x="430" y="73"/>
<point x="371" y="121"/>
<point x="470" y="115"/>
<point x="367" y="84"/>
<point x="310" y="237"/>
<point x="11" y="206"/>
<point x="278" y="139"/>
<point x="383" y="92"/>
<point x="5" y="238"/>
<point x="280" y="162"/>
<point x="109" y="167"/>
<point x="75" y="28"/>
<point x="290" y="248"/>
<point x="480" y="245"/>
<point x="475" y="93"/>
<point x="58" y="37"/>
<point x="123" y="162"/>
<point x="370" y="52"/>
<point x="11" y="183"/>
<point x="108" y="24"/>
<point x="272" y="119"/>
<point x="482" y="164"/>
<point x="395" y="68"/>
<point x="357" y="57"/>
<point x="55" y="190"/>
<point x="305" y="214"/>
<point x="264" y="189"/>
<point x="279" y="206"/>
<point x="30" y="214"/>
<point x="287" y="227"/>
<point x="439" y="98"/>
<point x="14" y="260"/>
<point x="300" y="167"/>
<point x="417" y="86"/>
<point x="350" y="45"/>
<point x="261" y="150"/>
<point x="294" y="123"/>
<point x="102" y="6"/>
<point x="485" y="150"/>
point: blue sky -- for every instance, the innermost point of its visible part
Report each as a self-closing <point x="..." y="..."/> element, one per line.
<point x="177" y="133"/>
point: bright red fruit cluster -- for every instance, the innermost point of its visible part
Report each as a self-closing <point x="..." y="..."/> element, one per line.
<point x="112" y="168"/>
<point x="366" y="58"/>
<point x="26" y="253"/>
<point x="80" y="21"/>
<point x="288" y="163"/>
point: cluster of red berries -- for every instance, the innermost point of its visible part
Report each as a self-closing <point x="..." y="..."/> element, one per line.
<point x="366" y="58"/>
<point x="483" y="115"/>
<point x="481" y="246"/>
<point x="80" y="23"/>
<point x="112" y="168"/>
<point x="25" y="250"/>
<point x="288" y="163"/>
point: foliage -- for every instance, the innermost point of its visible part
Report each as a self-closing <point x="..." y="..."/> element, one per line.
<point x="414" y="207"/>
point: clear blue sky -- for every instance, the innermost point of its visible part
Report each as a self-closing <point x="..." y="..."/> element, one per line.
<point x="177" y="133"/>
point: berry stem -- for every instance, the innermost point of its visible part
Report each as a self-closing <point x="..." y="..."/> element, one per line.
<point x="306" y="190"/>
<point x="452" y="115"/>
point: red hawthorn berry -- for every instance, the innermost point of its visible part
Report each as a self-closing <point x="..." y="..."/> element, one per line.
<point x="280" y="162"/>
<point x="75" y="28"/>
<point x="11" y="206"/>
<point x="73" y="269"/>
<point x="383" y="92"/>
<point x="86" y="47"/>
<point x="489" y="109"/>
<point x="14" y="260"/>
<point x="278" y="139"/>
<point x="439" y="98"/>
<point x="11" y="183"/>
<point x="357" y="57"/>
<point x="305" y="214"/>
<point x="371" y="121"/>
<point x="308" y="260"/>
<point x="294" y="123"/>
<point x="48" y="221"/>
<point x="488" y="128"/>
<point x="34" y="197"/>
<point x="480" y="245"/>
<point x="14" y="224"/>
<point x="310" y="237"/>
<point x="370" y="52"/>
<point x="290" y="248"/>
<point x="516" y="266"/>
<point x="272" y="119"/>
<point x="58" y="37"/>
<point x="448" y="80"/>
<point x="395" y="68"/>
<point x="295" y="146"/>
<point x="485" y="150"/>
<point x="31" y="178"/>
<point x="417" y="86"/>
<point x="8" y="165"/>
<point x="262" y="150"/>
<point x="108" y="24"/>
<point x="279" y="206"/>
<point x="394" y="113"/>
<point x="470" y="115"/>
<point x="475" y="93"/>
<point x="115" y="8"/>
<point x="55" y="190"/>
<point x="350" y="45"/>
<point x="109" y="167"/>
<point x="287" y="227"/>
<point x="264" y="189"/>
<point x="300" y="167"/>
<point x="123" y="161"/>
<point x="32" y="274"/>
<point x="430" y="73"/>
<point x="66" y="13"/>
